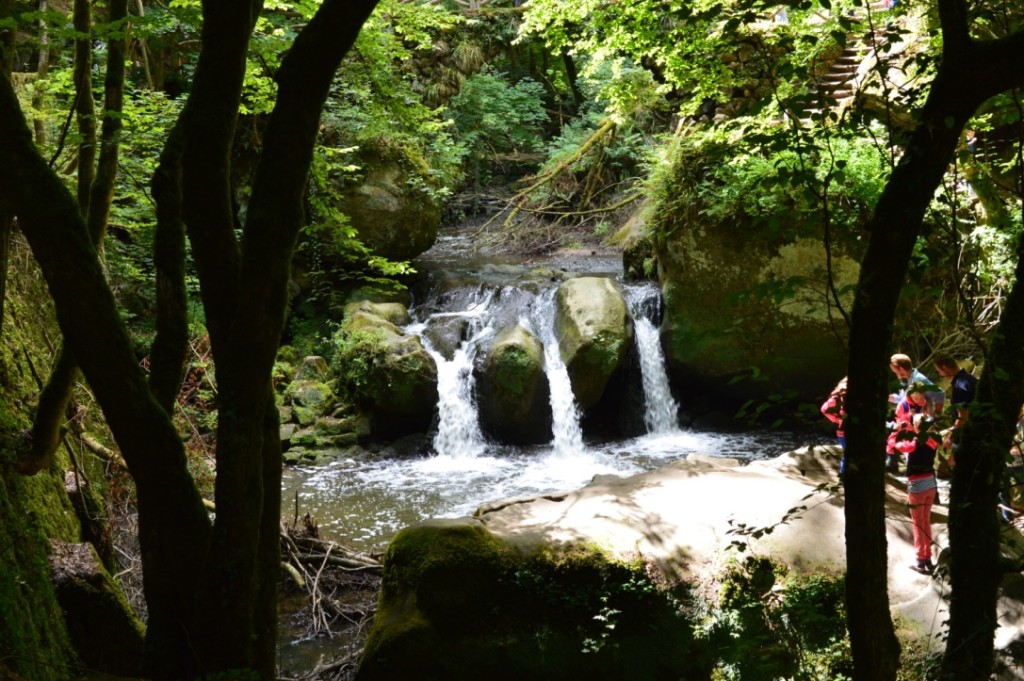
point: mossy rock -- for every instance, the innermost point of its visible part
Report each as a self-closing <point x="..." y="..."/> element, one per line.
<point x="595" y="334"/>
<point x="387" y="373"/>
<point x="513" y="394"/>
<point x="393" y="214"/>
<point x="458" y="602"/>
<point x="748" y="301"/>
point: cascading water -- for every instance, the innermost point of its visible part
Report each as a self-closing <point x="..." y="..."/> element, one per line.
<point x="458" y="431"/>
<point x="365" y="496"/>
<point x="565" y="416"/>
<point x="660" y="408"/>
<point x="364" y="500"/>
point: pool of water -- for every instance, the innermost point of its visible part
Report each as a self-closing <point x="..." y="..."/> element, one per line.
<point x="362" y="504"/>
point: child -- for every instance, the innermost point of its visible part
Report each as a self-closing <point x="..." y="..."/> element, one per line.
<point x="916" y="403"/>
<point x="919" y="445"/>
<point x="834" y="410"/>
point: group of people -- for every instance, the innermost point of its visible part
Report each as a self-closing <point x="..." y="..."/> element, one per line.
<point x="914" y="434"/>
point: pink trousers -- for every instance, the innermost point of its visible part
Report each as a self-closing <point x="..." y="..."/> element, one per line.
<point x="921" y="517"/>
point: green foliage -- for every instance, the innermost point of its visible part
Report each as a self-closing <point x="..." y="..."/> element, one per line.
<point x="757" y="179"/>
<point x="357" y="352"/>
<point x="492" y="115"/>
<point x="768" y="625"/>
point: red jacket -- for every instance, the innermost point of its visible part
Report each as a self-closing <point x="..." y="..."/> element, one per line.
<point x="835" y="411"/>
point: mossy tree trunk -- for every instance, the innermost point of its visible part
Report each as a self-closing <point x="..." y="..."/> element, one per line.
<point x="970" y="73"/>
<point x="210" y="587"/>
<point x="6" y="211"/>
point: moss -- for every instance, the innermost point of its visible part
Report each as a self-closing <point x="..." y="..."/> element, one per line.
<point x="768" y="624"/>
<point x="457" y="602"/>
<point x="103" y="627"/>
<point x="34" y="643"/>
<point x="515" y="370"/>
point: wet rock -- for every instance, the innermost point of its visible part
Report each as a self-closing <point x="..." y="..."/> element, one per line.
<point x="513" y="396"/>
<point x="595" y="334"/>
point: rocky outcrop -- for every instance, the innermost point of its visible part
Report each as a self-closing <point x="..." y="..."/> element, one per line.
<point x="386" y="372"/>
<point x="595" y="335"/>
<point x="743" y="305"/>
<point x="645" y="571"/>
<point x="394" y="215"/>
<point x="513" y="395"/>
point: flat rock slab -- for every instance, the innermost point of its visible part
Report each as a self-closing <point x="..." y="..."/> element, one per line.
<point x="681" y="516"/>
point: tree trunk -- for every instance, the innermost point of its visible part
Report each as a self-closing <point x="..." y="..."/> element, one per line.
<point x="6" y="212"/>
<point x="84" y="103"/>
<point x="974" y="533"/>
<point x="969" y="74"/>
<point x="211" y="595"/>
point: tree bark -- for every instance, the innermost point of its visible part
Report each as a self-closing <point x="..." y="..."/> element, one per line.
<point x="6" y="212"/>
<point x="970" y="72"/>
<point x="253" y="331"/>
<point x="85" y="104"/>
<point x="173" y="524"/>
<point x="210" y="594"/>
<point x="974" y="533"/>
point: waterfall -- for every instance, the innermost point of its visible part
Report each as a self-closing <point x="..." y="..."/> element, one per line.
<point x="565" y="416"/>
<point x="458" y="430"/>
<point x="660" y="408"/>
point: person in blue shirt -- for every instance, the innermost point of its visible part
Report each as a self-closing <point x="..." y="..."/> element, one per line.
<point x="906" y="374"/>
<point x="964" y="387"/>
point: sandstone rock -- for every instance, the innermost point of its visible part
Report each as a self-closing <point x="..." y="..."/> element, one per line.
<point x="514" y="591"/>
<point x="595" y="335"/>
<point x="513" y="396"/>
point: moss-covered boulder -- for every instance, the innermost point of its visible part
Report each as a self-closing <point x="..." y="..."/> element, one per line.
<point x="513" y="396"/>
<point x="457" y="602"/>
<point x="385" y="371"/>
<point x="388" y="203"/>
<point x="595" y="335"/>
<point x="105" y="631"/>
<point x="34" y="643"/>
<point x="745" y="283"/>
<point x="639" y="260"/>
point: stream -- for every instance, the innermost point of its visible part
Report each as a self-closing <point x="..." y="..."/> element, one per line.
<point x="363" y="503"/>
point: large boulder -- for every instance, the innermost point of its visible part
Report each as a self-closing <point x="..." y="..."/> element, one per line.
<point x="595" y="335"/>
<point x="743" y="303"/>
<point x="645" y="570"/>
<point x="389" y="206"/>
<point x="513" y="396"/>
<point x="387" y="372"/>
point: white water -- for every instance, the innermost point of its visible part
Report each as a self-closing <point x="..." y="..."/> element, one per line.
<point x="458" y="431"/>
<point x="661" y="411"/>
<point x="567" y="441"/>
<point x="660" y="408"/>
<point x="363" y="501"/>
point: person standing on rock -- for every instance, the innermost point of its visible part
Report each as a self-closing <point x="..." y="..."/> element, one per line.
<point x="903" y="368"/>
<point x="919" y="445"/>
<point x="964" y="386"/>
<point x="916" y="403"/>
<point x="834" y="410"/>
